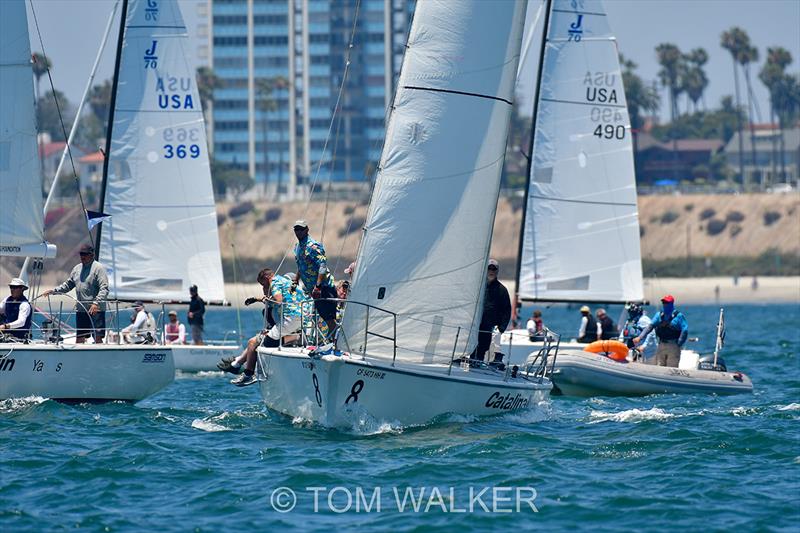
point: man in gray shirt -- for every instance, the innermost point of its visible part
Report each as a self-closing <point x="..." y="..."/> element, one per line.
<point x="90" y="281"/>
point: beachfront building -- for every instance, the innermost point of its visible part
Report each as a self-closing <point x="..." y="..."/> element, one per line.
<point x="673" y="161"/>
<point x="775" y="160"/>
<point x="281" y="63"/>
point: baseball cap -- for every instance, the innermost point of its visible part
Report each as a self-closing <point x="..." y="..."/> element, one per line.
<point x="300" y="224"/>
<point x="172" y="313"/>
<point x="585" y="309"/>
<point x="86" y="249"/>
<point x="669" y="299"/>
<point x="493" y="263"/>
<point x="17" y="282"/>
<point x="138" y="303"/>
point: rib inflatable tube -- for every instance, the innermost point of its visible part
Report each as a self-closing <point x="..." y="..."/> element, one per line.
<point x="618" y="351"/>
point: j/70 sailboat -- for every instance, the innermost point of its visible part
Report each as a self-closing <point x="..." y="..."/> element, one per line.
<point x="580" y="229"/>
<point x="78" y="372"/>
<point x="416" y="298"/>
<point x="162" y="236"/>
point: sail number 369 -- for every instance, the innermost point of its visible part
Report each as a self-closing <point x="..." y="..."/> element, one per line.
<point x="609" y="131"/>
<point x="181" y="151"/>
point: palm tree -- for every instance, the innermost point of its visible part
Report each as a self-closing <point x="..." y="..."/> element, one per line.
<point x="207" y="83"/>
<point x="749" y="54"/>
<point x="671" y="61"/>
<point x="641" y="99"/>
<point x="773" y="75"/>
<point x="267" y="104"/>
<point x="695" y="80"/>
<point x="41" y="64"/>
<point x="735" y="40"/>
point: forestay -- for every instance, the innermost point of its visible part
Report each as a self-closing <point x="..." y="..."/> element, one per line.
<point x="581" y="232"/>
<point x="22" y="221"/>
<point x="162" y="236"/>
<point x="428" y="230"/>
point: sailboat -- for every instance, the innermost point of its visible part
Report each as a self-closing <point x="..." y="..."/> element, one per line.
<point x="416" y="299"/>
<point x="77" y="372"/>
<point x="162" y="237"/>
<point x="580" y="230"/>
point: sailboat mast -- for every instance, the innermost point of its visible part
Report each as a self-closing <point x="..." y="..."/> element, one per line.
<point x="548" y="5"/>
<point x="112" y="105"/>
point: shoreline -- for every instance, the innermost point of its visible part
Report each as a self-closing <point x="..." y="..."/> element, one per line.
<point x="771" y="289"/>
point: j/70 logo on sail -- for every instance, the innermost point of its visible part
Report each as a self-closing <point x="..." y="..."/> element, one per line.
<point x="507" y="402"/>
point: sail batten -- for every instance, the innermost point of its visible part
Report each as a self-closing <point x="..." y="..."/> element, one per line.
<point x="162" y="237"/>
<point x="427" y="234"/>
<point x="22" y="223"/>
<point x="580" y="238"/>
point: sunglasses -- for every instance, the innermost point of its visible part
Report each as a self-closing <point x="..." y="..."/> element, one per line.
<point x="85" y="254"/>
<point x="493" y="269"/>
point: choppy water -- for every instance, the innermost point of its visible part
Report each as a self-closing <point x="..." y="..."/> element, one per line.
<point x="203" y="455"/>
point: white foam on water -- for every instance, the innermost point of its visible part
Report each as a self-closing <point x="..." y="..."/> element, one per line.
<point x="11" y="405"/>
<point x="210" y="423"/>
<point x="631" y="415"/>
<point x="744" y="411"/>
<point x="179" y="374"/>
<point x="790" y="407"/>
<point x="531" y="415"/>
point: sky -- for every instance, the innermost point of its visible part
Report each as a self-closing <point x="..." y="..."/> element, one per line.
<point x="72" y="29"/>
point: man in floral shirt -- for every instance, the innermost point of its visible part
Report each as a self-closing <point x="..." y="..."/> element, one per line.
<point x="312" y="270"/>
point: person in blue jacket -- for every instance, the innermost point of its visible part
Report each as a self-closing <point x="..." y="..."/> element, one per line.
<point x="671" y="330"/>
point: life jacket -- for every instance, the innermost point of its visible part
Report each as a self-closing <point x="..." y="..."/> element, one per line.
<point x="666" y="330"/>
<point x="609" y="329"/>
<point x="632" y="330"/>
<point x="173" y="331"/>
<point x="12" y="313"/>
<point x="590" y="335"/>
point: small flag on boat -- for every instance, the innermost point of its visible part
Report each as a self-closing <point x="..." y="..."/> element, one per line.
<point x="722" y="332"/>
<point x="94" y="218"/>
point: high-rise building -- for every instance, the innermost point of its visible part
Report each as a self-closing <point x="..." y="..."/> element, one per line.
<point x="281" y="63"/>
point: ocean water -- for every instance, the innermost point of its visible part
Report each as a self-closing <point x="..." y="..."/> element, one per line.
<point x="203" y="455"/>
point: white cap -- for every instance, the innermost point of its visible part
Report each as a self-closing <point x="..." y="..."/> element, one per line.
<point x="17" y="282"/>
<point x="300" y="223"/>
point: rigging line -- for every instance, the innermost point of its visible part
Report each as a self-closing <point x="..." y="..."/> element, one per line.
<point x="60" y="116"/>
<point x="330" y="127"/>
<point x="330" y="176"/>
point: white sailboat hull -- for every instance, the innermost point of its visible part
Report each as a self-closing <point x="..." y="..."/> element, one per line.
<point x="86" y="373"/>
<point x="193" y="358"/>
<point x="340" y="391"/>
<point x="580" y="373"/>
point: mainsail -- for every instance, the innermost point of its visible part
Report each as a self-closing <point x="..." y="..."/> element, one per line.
<point x="581" y="231"/>
<point x="22" y="222"/>
<point x="427" y="234"/>
<point x="162" y="237"/>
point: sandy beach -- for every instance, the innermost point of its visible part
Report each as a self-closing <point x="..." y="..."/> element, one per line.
<point x="686" y="290"/>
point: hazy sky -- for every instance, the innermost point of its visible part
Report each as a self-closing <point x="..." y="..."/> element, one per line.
<point x="72" y="29"/>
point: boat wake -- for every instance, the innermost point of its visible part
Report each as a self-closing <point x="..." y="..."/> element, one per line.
<point x="210" y="423"/>
<point x="14" y="405"/>
<point x="179" y="374"/>
<point x="790" y="407"/>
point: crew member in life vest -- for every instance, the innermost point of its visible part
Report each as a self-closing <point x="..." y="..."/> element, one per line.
<point x="634" y="326"/>
<point x="174" y="331"/>
<point x="590" y="330"/>
<point x="671" y="330"/>
<point x="16" y="312"/>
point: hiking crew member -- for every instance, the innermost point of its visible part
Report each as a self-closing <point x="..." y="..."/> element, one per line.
<point x="590" y="329"/>
<point x="496" y="311"/>
<point x="90" y="281"/>
<point x="143" y="328"/>
<point x="312" y="270"/>
<point x="671" y="330"/>
<point x="16" y="311"/>
<point x="197" y="308"/>
<point x="174" y="331"/>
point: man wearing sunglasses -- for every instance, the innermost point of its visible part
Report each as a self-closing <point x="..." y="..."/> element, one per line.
<point x="90" y="281"/>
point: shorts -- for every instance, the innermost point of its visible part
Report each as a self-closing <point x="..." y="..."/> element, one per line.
<point x="291" y="324"/>
<point x="327" y="309"/>
<point x="87" y="325"/>
<point x="197" y="331"/>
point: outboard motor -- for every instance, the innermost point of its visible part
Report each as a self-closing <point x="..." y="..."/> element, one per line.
<point x="707" y="363"/>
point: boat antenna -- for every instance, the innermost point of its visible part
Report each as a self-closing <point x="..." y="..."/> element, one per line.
<point x="545" y="30"/>
<point x="111" y="107"/>
<point x="58" y="111"/>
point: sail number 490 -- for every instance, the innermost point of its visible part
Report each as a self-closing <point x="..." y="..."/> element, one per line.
<point x="609" y="131"/>
<point x="181" y="151"/>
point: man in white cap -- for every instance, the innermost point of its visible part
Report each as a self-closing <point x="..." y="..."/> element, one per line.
<point x="16" y="312"/>
<point x="143" y="328"/>
<point x="312" y="270"/>
<point x="496" y="310"/>
<point x="590" y="329"/>
<point x="174" y="331"/>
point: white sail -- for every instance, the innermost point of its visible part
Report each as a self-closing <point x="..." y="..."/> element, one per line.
<point x="162" y="237"/>
<point x="581" y="232"/>
<point x="424" y="251"/>
<point x="22" y="222"/>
